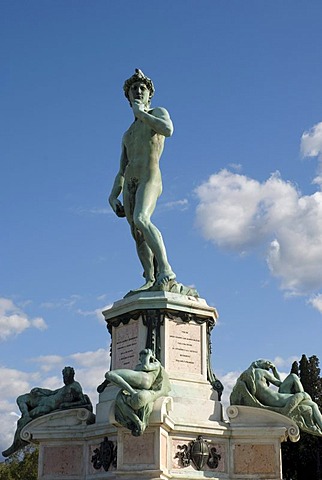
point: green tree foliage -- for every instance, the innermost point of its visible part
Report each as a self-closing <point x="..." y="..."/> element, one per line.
<point x="303" y="460"/>
<point x="22" y="465"/>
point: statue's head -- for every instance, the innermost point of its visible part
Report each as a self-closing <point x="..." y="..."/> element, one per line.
<point x="68" y="375"/>
<point x="147" y="357"/>
<point x="134" y="81"/>
<point x="262" y="363"/>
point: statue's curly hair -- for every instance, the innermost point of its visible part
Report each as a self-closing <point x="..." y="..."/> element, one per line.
<point x="138" y="77"/>
<point x="69" y="369"/>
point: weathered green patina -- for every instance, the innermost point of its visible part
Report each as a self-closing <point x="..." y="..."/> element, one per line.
<point x="40" y="401"/>
<point x="253" y="389"/>
<point x="139" y="179"/>
<point x="139" y="388"/>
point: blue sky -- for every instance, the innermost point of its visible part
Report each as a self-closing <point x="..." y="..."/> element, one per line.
<point x="241" y="209"/>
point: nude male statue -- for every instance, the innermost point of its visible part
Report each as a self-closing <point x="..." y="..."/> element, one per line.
<point x="40" y="401"/>
<point x="139" y="178"/>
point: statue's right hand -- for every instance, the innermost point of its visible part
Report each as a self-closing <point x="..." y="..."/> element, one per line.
<point x="117" y="207"/>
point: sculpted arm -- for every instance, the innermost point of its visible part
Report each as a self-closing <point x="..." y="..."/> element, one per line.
<point x="44" y="391"/>
<point x="158" y="119"/>
<point x="275" y="373"/>
<point x="118" y="185"/>
<point x="272" y="378"/>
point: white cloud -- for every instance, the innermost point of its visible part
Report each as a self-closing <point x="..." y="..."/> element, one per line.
<point x="228" y="380"/>
<point x="235" y="166"/>
<point x="49" y="362"/>
<point x="92" y="210"/>
<point x="316" y="302"/>
<point x="91" y="359"/>
<point x="14" y="321"/>
<point x="39" y="323"/>
<point x="311" y="141"/>
<point x="13" y="382"/>
<point x="311" y="146"/>
<point x="62" y="303"/>
<point x="285" y="363"/>
<point x="239" y="213"/>
<point x="295" y="255"/>
<point x="91" y="368"/>
<point x="96" y="313"/>
<point x="180" y="204"/>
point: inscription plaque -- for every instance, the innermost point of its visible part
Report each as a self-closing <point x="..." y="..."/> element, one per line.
<point x="125" y="345"/>
<point x="185" y="347"/>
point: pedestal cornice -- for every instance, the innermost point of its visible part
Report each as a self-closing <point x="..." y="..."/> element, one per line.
<point x="166" y="301"/>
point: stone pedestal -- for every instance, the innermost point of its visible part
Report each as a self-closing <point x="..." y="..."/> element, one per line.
<point x="177" y="328"/>
<point x="187" y="437"/>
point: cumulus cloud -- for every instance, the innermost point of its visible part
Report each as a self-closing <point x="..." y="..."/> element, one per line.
<point x="239" y="213"/>
<point x="14" y="321"/>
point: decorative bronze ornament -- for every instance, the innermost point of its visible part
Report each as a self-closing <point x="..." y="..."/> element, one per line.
<point x="199" y="453"/>
<point x="105" y="455"/>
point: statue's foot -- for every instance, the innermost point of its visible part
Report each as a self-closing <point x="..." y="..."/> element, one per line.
<point x="146" y="286"/>
<point x="164" y="277"/>
<point x="102" y="386"/>
<point x="139" y="428"/>
<point x="17" y="445"/>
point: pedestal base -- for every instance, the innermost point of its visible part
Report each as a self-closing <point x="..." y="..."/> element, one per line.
<point x="187" y="437"/>
<point x="246" y="448"/>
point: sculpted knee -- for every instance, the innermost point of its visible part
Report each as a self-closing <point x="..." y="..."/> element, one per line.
<point x="141" y="221"/>
<point x="109" y="376"/>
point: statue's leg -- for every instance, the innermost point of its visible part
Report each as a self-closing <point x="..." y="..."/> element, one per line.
<point x="316" y="412"/>
<point x="129" y="379"/>
<point x="144" y="252"/>
<point x="126" y="416"/>
<point x="41" y="410"/>
<point x="17" y="443"/>
<point x="307" y="414"/>
<point x="146" y="258"/>
<point x="141" y="399"/>
<point x="145" y="202"/>
<point x="291" y="384"/>
<point x="22" y="402"/>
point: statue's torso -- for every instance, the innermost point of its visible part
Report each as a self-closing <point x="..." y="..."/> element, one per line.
<point x="143" y="150"/>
